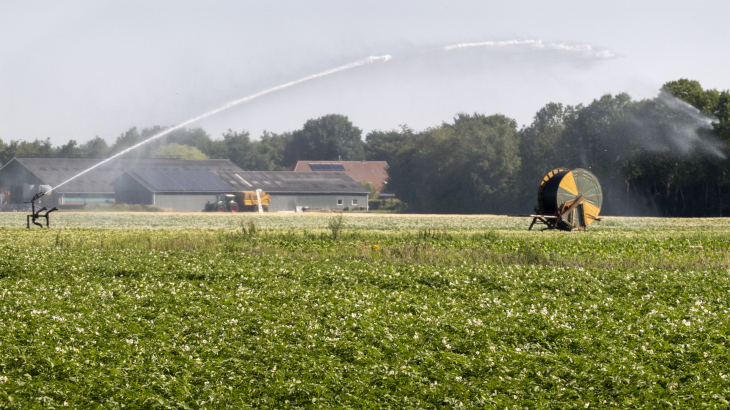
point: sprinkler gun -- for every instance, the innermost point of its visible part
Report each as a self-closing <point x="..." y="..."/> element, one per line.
<point x="37" y="214"/>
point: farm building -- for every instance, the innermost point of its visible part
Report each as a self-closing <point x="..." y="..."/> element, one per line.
<point x="192" y="190"/>
<point x="23" y="177"/>
<point x="292" y="191"/>
<point x="182" y="190"/>
<point x="374" y="172"/>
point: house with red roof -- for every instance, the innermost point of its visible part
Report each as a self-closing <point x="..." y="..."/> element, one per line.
<point x="374" y="172"/>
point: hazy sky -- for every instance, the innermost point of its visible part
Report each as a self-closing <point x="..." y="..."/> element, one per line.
<point x="73" y="70"/>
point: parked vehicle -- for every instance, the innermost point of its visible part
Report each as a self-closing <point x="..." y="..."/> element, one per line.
<point x="253" y="201"/>
<point x="224" y="203"/>
<point x="244" y="201"/>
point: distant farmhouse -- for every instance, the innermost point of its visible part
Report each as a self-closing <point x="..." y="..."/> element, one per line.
<point x="183" y="185"/>
<point x="374" y="172"/>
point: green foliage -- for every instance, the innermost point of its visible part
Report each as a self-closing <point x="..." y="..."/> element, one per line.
<point x="193" y="137"/>
<point x="335" y="225"/>
<point x="665" y="245"/>
<point x="263" y="155"/>
<point x="36" y="148"/>
<point x="271" y="148"/>
<point x="384" y="146"/>
<point x="541" y="147"/>
<point x="174" y="150"/>
<point x="248" y="227"/>
<point x="469" y="166"/>
<point x="70" y="150"/>
<point x="129" y="139"/>
<point x="291" y="320"/>
<point x="95" y="148"/>
<point x="330" y="137"/>
<point x="239" y="148"/>
<point x="373" y="193"/>
<point x="692" y="93"/>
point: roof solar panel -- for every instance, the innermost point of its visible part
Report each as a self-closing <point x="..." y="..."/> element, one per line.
<point x="315" y="167"/>
<point x="327" y="167"/>
<point x="302" y="182"/>
<point x="183" y="180"/>
<point x="338" y="167"/>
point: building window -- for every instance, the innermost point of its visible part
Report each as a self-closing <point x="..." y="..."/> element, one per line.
<point x="354" y="201"/>
<point x="339" y="202"/>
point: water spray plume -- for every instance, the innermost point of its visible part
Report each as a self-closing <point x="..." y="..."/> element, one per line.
<point x="582" y="49"/>
<point x="369" y="60"/>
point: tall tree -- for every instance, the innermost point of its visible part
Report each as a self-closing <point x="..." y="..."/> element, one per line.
<point x="95" y="148"/>
<point x="469" y="166"/>
<point x="126" y="140"/>
<point x="716" y="182"/>
<point x="246" y="154"/>
<point x="592" y="139"/>
<point x="198" y="138"/>
<point x="330" y="137"/>
<point x="541" y="149"/>
<point x="70" y="150"/>
<point x="271" y="149"/>
<point x="239" y="147"/>
<point x="383" y="145"/>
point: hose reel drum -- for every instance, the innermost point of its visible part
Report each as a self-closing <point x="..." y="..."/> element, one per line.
<point x="568" y="200"/>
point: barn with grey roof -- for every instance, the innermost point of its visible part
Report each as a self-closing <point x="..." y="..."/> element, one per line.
<point x="23" y="177"/>
<point x="192" y="190"/>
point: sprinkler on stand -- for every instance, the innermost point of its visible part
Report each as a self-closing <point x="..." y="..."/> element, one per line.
<point x="37" y="214"/>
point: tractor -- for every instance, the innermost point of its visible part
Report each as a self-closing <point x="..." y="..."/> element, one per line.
<point x="244" y="201"/>
<point x="224" y="203"/>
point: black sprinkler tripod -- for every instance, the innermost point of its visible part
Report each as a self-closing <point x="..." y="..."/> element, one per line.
<point x="37" y="214"/>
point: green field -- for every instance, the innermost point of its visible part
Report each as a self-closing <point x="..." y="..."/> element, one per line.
<point x="398" y="312"/>
<point x="357" y="221"/>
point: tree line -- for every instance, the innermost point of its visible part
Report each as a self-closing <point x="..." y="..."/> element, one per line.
<point x="329" y="137"/>
<point x="666" y="156"/>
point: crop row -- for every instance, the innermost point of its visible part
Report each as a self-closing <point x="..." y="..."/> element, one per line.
<point x="605" y="249"/>
<point x="310" y="221"/>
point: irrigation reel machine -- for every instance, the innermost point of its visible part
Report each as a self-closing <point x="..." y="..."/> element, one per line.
<point x="567" y="200"/>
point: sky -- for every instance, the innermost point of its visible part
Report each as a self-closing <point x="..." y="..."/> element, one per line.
<point x="79" y="69"/>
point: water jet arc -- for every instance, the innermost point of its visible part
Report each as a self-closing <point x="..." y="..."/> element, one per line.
<point x="369" y="60"/>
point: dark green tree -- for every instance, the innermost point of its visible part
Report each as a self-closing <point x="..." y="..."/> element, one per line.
<point x="238" y="145"/>
<point x="541" y="149"/>
<point x="70" y="150"/>
<point x="469" y="166"/>
<point x="330" y="137"/>
<point x="129" y="139"/>
<point x="383" y="145"/>
<point x="271" y="148"/>
<point x="95" y="148"/>
<point x="198" y="138"/>
<point x="712" y="175"/>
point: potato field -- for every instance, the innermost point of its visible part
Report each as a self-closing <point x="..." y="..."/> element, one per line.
<point x="372" y="311"/>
